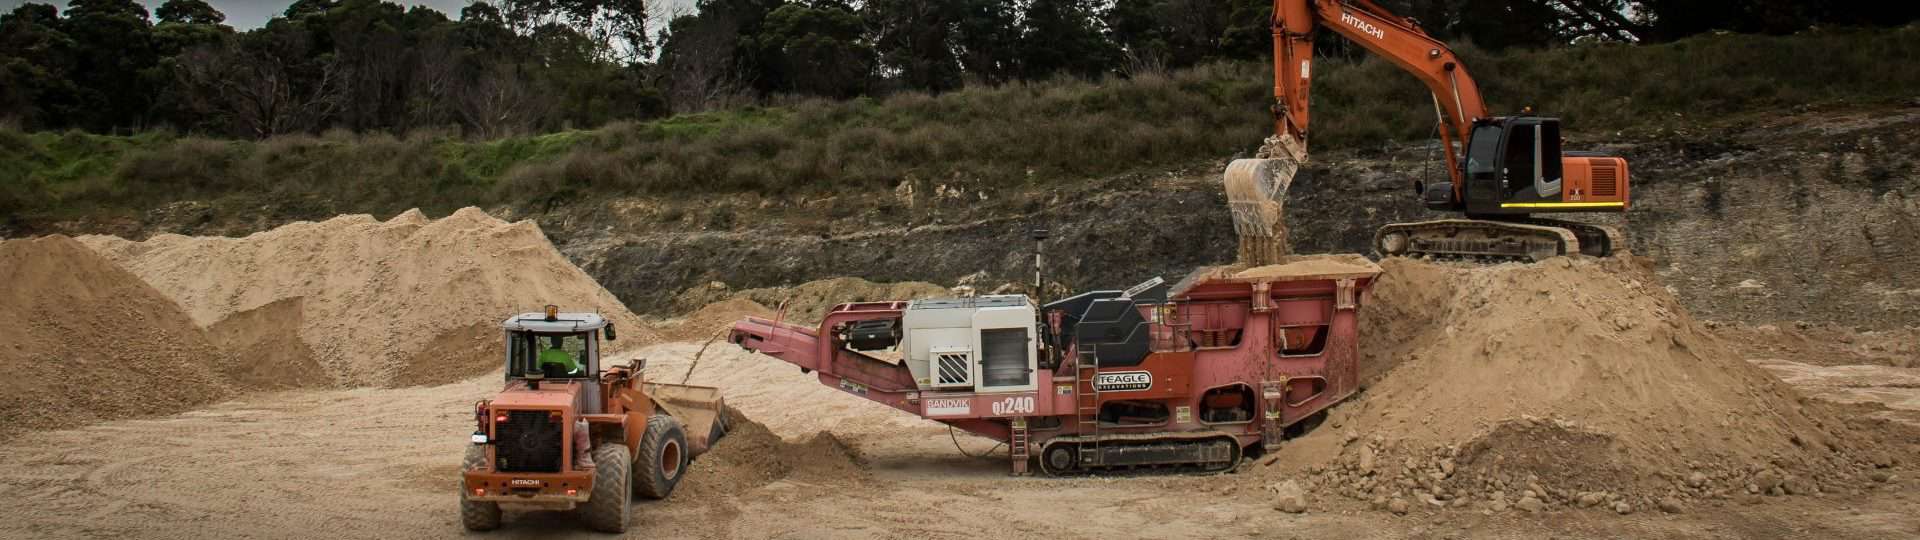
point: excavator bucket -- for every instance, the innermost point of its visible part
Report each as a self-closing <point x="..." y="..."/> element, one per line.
<point x="701" y="411"/>
<point x="1256" y="194"/>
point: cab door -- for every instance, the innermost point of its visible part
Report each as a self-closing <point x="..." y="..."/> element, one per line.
<point x="1483" y="176"/>
<point x="1531" y="164"/>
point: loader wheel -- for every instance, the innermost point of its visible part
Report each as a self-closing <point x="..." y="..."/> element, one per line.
<point x="662" y="459"/>
<point x="607" y="510"/>
<point x="477" y="515"/>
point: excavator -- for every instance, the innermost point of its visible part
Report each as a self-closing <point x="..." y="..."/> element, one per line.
<point x="1503" y="170"/>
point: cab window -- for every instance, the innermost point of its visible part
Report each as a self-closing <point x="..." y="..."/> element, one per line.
<point x="1484" y="151"/>
<point x="1519" y="158"/>
<point x="552" y="355"/>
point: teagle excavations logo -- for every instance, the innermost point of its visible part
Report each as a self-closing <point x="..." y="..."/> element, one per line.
<point x="1124" y="381"/>
<point x="1364" y="26"/>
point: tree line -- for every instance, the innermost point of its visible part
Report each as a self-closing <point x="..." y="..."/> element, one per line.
<point x="520" y="66"/>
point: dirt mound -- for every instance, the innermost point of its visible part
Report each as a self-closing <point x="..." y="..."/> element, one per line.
<point x="752" y="456"/>
<point x="709" y="321"/>
<point x="264" y="349"/>
<point x="1581" y="381"/>
<point x="375" y="298"/>
<point x="88" y="341"/>
<point x="808" y="302"/>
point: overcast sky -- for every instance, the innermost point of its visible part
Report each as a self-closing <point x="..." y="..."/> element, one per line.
<point x="250" y="14"/>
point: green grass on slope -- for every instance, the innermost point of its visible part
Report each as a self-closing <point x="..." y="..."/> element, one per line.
<point x="1013" y="135"/>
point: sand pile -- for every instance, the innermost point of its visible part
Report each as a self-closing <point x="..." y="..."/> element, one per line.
<point x="404" y="301"/>
<point x="264" y="349"/>
<point x="752" y="456"/>
<point x="1566" y="383"/>
<point x="807" y="302"/>
<point x="88" y="341"/>
<point x="712" y="320"/>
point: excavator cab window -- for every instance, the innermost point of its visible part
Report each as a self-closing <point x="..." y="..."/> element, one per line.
<point x="1519" y="158"/>
<point x="1485" y="184"/>
<point x="1532" y="163"/>
<point x="1483" y="154"/>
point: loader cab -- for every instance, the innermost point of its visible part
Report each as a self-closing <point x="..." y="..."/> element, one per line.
<point x="541" y="345"/>
<point x="1511" y="162"/>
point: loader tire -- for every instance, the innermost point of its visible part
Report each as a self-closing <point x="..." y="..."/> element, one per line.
<point x="662" y="459"/>
<point x="477" y="515"/>
<point x="609" y="510"/>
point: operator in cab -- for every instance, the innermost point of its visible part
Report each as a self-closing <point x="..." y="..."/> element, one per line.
<point x="557" y="357"/>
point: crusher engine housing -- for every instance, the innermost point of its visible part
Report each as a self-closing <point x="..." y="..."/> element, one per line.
<point x="1192" y="376"/>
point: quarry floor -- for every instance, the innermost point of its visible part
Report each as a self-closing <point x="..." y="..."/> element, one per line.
<point x="368" y="463"/>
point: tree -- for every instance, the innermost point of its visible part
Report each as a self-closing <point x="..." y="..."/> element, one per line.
<point x="187" y="23"/>
<point x="986" y="39"/>
<point x="115" y="62"/>
<point x="937" y="45"/>
<point x="817" y="49"/>
<point x="1063" y="36"/>
<point x="189" y="12"/>
<point x="37" y="60"/>
<point x="249" y="86"/>
<point x="1170" y="33"/>
<point x="699" y="63"/>
<point x="619" y="25"/>
<point x="914" y="39"/>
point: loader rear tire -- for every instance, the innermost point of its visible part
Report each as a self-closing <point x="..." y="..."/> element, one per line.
<point x="477" y="515"/>
<point x="609" y="510"/>
<point x="662" y="459"/>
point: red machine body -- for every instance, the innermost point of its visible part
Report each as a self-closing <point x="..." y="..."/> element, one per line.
<point x="1190" y="378"/>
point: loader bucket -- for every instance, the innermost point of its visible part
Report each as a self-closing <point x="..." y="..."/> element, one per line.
<point x="701" y="411"/>
<point x="1256" y="194"/>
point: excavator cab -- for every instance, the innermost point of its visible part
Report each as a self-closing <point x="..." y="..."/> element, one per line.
<point x="1514" y="166"/>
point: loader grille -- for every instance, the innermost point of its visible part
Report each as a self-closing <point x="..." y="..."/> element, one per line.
<point x="529" y="441"/>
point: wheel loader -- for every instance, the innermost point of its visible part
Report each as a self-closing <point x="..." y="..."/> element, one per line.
<point x="565" y="435"/>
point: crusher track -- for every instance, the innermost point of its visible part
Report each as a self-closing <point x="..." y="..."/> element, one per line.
<point x="1524" y="239"/>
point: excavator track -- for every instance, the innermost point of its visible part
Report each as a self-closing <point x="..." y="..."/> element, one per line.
<point x="1595" y="240"/>
<point x="1524" y="239"/>
<point x="1151" y="453"/>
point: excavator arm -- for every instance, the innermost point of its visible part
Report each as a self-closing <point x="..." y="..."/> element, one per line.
<point x="1400" y="40"/>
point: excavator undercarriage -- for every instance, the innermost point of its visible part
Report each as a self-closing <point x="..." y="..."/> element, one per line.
<point x="1522" y="239"/>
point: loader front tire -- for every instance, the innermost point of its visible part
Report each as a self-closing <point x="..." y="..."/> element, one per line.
<point x="477" y="515"/>
<point x="662" y="459"/>
<point x="609" y="510"/>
